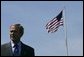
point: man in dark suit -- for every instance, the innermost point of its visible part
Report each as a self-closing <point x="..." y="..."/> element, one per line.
<point x="15" y="47"/>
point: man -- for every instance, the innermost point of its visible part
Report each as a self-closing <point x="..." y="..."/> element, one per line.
<point x="15" y="47"/>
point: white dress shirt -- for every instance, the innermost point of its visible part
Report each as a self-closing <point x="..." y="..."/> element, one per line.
<point x="19" y="46"/>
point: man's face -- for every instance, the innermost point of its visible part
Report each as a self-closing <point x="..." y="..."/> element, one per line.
<point x="14" y="33"/>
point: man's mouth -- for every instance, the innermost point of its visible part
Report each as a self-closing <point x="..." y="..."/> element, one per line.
<point x="12" y="35"/>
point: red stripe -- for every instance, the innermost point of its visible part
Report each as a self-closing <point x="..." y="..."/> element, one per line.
<point x="52" y="24"/>
<point x="55" y="21"/>
<point x="55" y="29"/>
<point x="51" y="21"/>
<point x="55" y="24"/>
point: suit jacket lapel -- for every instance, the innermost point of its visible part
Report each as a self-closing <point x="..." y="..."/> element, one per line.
<point x="10" y="49"/>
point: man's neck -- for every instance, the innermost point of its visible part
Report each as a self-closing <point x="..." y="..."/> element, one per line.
<point x="15" y="42"/>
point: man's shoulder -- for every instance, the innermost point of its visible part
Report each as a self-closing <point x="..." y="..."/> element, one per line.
<point x="27" y="46"/>
<point x="5" y="44"/>
<point x="28" y="50"/>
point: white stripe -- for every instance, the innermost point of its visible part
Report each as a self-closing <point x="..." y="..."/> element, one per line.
<point x="55" y="28"/>
<point x="61" y="22"/>
<point x="51" y="21"/>
<point x="54" y="24"/>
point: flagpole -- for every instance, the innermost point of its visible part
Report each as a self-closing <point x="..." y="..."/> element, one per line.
<point x="65" y="29"/>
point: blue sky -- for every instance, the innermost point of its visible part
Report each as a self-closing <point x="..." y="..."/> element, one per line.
<point x="34" y="15"/>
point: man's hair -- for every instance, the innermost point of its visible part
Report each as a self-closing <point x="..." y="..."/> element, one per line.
<point x="20" y="27"/>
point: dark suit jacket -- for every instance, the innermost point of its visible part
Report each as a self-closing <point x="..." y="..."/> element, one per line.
<point x="6" y="50"/>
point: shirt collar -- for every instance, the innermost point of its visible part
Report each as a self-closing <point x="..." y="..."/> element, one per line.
<point x="12" y="44"/>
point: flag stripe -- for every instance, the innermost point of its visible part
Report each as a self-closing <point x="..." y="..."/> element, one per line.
<point x="52" y="24"/>
<point x="55" y="24"/>
<point x="55" y="28"/>
<point x="50" y="21"/>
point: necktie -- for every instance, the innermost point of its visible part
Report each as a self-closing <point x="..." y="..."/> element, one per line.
<point x="16" y="50"/>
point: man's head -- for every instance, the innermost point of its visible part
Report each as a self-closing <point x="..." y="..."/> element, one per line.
<point x="16" y="32"/>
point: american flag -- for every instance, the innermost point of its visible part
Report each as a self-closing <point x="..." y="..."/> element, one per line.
<point x="55" y="23"/>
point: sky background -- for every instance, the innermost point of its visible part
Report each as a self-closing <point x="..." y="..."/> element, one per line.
<point x="34" y="15"/>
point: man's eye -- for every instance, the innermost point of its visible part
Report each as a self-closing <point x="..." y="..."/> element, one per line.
<point x="12" y="31"/>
